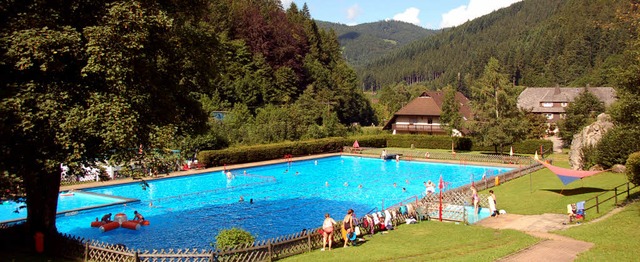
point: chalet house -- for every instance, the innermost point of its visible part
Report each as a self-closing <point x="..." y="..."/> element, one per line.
<point x="551" y="101"/>
<point x="422" y="114"/>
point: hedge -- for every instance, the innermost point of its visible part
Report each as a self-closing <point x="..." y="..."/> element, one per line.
<point x="246" y="154"/>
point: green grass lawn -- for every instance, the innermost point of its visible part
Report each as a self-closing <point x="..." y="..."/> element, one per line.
<point x="543" y="192"/>
<point x="429" y="241"/>
<point x="615" y="238"/>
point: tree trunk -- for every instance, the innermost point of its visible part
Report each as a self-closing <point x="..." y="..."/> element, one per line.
<point x="42" y="203"/>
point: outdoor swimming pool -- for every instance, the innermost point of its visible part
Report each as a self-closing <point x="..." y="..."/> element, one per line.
<point x="189" y="211"/>
<point x="66" y="203"/>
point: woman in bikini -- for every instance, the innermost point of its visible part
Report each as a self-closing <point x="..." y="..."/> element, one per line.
<point x="347" y="226"/>
<point x="476" y="200"/>
<point x="327" y="231"/>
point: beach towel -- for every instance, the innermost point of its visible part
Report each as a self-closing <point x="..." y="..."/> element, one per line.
<point x="580" y="208"/>
<point x="387" y="219"/>
<point x="375" y="219"/>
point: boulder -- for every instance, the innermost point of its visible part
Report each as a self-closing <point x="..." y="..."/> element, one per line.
<point x="596" y="167"/>
<point x="618" y="168"/>
<point x="589" y="136"/>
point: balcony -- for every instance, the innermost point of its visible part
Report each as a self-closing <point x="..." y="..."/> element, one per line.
<point x="419" y="128"/>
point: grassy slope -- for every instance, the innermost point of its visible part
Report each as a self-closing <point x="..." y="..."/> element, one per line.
<point x="429" y="241"/>
<point x="542" y="192"/>
<point x="616" y="237"/>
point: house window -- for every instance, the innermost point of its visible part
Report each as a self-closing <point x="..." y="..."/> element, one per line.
<point x="564" y="104"/>
<point x="547" y="104"/>
<point x="430" y="120"/>
<point x="549" y="116"/>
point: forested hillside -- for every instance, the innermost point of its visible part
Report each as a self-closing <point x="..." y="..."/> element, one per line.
<point x="365" y="42"/>
<point x="538" y="42"/>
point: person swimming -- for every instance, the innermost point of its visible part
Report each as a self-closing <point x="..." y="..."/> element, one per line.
<point x="326" y="183"/>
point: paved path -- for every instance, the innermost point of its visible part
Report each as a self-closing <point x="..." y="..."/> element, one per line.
<point x="552" y="248"/>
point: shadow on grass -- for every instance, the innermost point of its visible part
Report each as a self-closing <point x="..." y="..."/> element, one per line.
<point x="576" y="191"/>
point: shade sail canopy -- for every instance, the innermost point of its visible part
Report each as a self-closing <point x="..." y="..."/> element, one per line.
<point x="568" y="175"/>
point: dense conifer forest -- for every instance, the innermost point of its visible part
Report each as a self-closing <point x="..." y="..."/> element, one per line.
<point x="538" y="43"/>
<point x="365" y="42"/>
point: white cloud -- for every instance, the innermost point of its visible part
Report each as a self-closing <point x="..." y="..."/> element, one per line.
<point x="353" y="12"/>
<point x="286" y="3"/>
<point x="475" y="8"/>
<point x="410" y="16"/>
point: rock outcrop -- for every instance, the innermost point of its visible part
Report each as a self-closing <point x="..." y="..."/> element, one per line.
<point x="589" y="136"/>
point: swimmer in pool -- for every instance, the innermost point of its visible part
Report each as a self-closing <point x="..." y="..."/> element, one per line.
<point x="360" y="186"/>
<point x="395" y="185"/>
<point x="326" y="184"/>
<point x="346" y="183"/>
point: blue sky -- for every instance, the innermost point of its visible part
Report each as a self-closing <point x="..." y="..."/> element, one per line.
<point x="431" y="14"/>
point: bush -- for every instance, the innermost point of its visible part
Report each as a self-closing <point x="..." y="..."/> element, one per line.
<point x="233" y="237"/>
<point x="633" y="168"/>
<point x="616" y="146"/>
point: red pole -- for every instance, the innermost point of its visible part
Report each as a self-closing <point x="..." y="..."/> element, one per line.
<point x="441" y="187"/>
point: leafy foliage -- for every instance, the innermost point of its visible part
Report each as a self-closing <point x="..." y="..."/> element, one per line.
<point x="633" y="168"/>
<point x="497" y="120"/>
<point x="616" y="145"/>
<point x="582" y="112"/>
<point x="232" y="237"/>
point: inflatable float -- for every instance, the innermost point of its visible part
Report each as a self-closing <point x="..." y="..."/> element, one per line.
<point x="120" y="220"/>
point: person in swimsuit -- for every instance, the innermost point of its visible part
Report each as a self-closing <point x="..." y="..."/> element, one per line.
<point x="347" y="226"/>
<point x="137" y="216"/>
<point x="106" y="218"/>
<point x="327" y="231"/>
<point x="475" y="199"/>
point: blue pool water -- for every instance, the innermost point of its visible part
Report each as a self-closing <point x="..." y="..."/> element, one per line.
<point x="188" y="212"/>
<point x="66" y="203"/>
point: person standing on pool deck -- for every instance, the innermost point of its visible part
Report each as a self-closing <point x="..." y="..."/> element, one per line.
<point x="347" y="226"/>
<point x="327" y="231"/>
<point x="476" y="201"/>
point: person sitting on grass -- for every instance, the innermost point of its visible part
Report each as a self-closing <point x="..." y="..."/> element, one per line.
<point x="571" y="211"/>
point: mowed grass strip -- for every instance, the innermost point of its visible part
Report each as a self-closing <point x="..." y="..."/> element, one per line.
<point x="615" y="237"/>
<point x="426" y="241"/>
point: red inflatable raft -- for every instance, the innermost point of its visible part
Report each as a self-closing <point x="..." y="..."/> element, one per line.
<point x="133" y="225"/>
<point x="96" y="223"/>
<point x="109" y="226"/>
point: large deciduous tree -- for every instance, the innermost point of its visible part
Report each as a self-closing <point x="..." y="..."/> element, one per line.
<point x="579" y="114"/>
<point x="91" y="80"/>
<point x="497" y="119"/>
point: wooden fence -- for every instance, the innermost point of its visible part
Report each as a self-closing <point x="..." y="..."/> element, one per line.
<point x="607" y="196"/>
